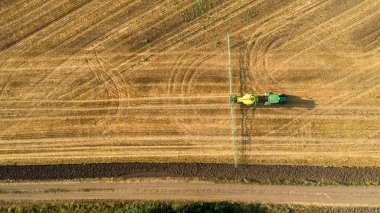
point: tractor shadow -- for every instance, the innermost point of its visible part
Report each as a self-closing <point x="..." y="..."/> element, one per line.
<point x="295" y="101"/>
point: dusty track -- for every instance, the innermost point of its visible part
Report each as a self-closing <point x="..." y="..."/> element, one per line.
<point x="91" y="81"/>
<point x="180" y="190"/>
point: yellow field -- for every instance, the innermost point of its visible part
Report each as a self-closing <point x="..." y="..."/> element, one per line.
<point x="147" y="81"/>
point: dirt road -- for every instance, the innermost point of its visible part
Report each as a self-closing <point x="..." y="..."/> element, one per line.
<point x="147" y="81"/>
<point x="179" y="190"/>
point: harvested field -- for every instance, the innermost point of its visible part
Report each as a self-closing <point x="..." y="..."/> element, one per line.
<point x="147" y="81"/>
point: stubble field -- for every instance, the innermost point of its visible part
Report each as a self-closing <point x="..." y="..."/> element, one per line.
<point x="147" y="81"/>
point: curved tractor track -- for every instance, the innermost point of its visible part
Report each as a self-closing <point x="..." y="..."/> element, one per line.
<point x="147" y="81"/>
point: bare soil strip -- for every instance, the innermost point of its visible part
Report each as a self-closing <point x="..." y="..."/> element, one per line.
<point x="199" y="170"/>
<point x="180" y="190"/>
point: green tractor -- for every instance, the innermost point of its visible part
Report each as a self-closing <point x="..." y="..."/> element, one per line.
<point x="273" y="98"/>
<point x="268" y="98"/>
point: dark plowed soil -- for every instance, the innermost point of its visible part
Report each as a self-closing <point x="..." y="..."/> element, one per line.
<point x="201" y="170"/>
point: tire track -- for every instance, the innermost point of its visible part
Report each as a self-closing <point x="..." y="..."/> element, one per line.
<point x="47" y="76"/>
<point x="332" y="84"/>
<point x="258" y="36"/>
<point x="14" y="42"/>
<point x="51" y="51"/>
<point x="142" y="51"/>
<point x="185" y="87"/>
<point x="196" y="63"/>
<point x="120" y="8"/>
<point x="189" y="37"/>
<point x="267" y="48"/>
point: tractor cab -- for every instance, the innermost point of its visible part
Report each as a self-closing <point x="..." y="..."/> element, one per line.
<point x="273" y="98"/>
